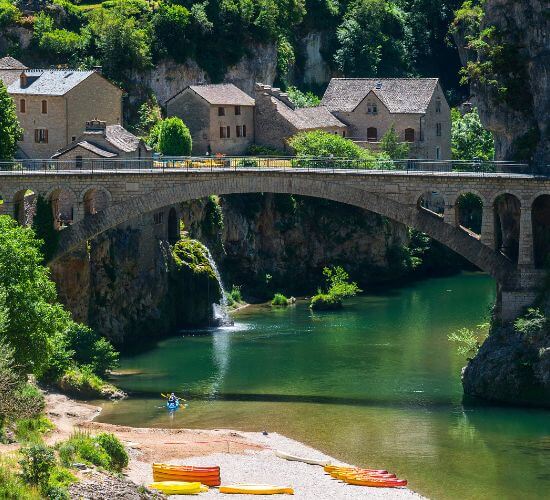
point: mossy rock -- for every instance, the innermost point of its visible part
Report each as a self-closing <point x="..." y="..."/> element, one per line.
<point x="325" y="302"/>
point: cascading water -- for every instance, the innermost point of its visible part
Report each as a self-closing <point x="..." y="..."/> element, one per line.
<point x="221" y="310"/>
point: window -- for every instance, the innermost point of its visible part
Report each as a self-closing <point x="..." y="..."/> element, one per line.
<point x="41" y="135"/>
<point x="237" y="110"/>
<point x="409" y="134"/>
<point x="343" y="133"/>
<point x="372" y="108"/>
<point x="438" y="129"/>
<point x="239" y="131"/>
<point x="44" y="107"/>
<point x="225" y="132"/>
<point x="158" y="218"/>
<point x="78" y="162"/>
<point x="221" y="111"/>
<point x="438" y="105"/>
<point x="73" y="138"/>
<point x="372" y="134"/>
<point x="437" y="153"/>
<point x="22" y="106"/>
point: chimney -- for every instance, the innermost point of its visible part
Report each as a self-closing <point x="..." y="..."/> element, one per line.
<point x="23" y="80"/>
<point x="96" y="126"/>
<point x="98" y="69"/>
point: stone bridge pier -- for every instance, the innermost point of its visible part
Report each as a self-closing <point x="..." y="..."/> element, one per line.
<point x="499" y="222"/>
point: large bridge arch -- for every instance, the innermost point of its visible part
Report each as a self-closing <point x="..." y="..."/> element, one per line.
<point x="470" y="248"/>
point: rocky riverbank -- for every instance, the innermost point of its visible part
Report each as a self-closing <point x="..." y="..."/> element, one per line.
<point x="242" y="456"/>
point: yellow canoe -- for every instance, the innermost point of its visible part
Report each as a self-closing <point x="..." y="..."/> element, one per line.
<point x="256" y="489"/>
<point x="178" y="487"/>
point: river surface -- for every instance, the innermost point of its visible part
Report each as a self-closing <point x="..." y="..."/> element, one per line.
<point x="376" y="384"/>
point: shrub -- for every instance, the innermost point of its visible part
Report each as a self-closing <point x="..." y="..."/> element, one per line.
<point x="174" y="138"/>
<point x="12" y="486"/>
<point x="318" y="143"/>
<point x="325" y="302"/>
<point x="9" y="13"/>
<point x="469" y="341"/>
<point x="392" y="146"/>
<point x="279" y="300"/>
<point x="469" y="139"/>
<point x="36" y="464"/>
<point x="258" y="150"/>
<point x="248" y="163"/>
<point x="90" y="349"/>
<point x="115" y="449"/>
<point x="303" y="99"/>
<point x="235" y="294"/>
<point x="43" y="225"/>
<point x="29" y="430"/>
<point x="532" y="323"/>
<point x="84" y="383"/>
<point x="104" y="450"/>
<point x="61" y="43"/>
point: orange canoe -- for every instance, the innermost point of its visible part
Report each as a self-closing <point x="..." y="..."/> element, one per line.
<point x="379" y="483"/>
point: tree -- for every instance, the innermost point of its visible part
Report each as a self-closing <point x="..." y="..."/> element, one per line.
<point x="35" y="318"/>
<point x="303" y="99"/>
<point x="371" y="40"/>
<point x="469" y="139"/>
<point x="170" y="23"/>
<point x="44" y="229"/>
<point x="318" y="143"/>
<point x="338" y="288"/>
<point x="10" y="131"/>
<point x="391" y="145"/>
<point x="174" y="138"/>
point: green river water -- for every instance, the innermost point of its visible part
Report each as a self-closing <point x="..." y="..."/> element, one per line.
<point x="377" y="384"/>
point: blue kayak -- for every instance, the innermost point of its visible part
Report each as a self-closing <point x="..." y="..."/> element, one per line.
<point x="172" y="405"/>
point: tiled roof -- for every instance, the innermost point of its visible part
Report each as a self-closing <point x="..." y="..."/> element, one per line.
<point x="49" y="81"/>
<point x="93" y="148"/>
<point x="9" y="62"/>
<point x="8" y="76"/>
<point x="121" y="139"/>
<point x="223" y="94"/>
<point x="307" y="118"/>
<point x="399" y="95"/>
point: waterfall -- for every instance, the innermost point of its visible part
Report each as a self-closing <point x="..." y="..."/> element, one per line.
<point x="221" y="310"/>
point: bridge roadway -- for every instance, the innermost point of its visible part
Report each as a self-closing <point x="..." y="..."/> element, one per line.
<point x="131" y="192"/>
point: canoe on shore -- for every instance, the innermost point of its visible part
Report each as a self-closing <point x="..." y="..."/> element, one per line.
<point x="256" y="489"/>
<point x="209" y="476"/>
<point x="293" y="458"/>
<point x="178" y="487"/>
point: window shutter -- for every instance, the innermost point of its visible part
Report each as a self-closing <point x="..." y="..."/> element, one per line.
<point x="36" y="138"/>
<point x="244" y="130"/>
<point x="46" y="135"/>
<point x="228" y="131"/>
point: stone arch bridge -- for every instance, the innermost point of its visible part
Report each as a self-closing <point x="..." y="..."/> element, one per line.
<point x="94" y="202"/>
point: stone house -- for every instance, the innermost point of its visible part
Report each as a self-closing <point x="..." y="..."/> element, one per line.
<point x="100" y="141"/>
<point x="415" y="106"/>
<point x="277" y="119"/>
<point x="54" y="104"/>
<point x="220" y="117"/>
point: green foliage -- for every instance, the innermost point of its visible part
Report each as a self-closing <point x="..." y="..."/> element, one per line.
<point x="82" y="382"/>
<point x="303" y="99"/>
<point x="43" y="225"/>
<point x="31" y="430"/>
<point x="213" y="216"/>
<point x="62" y="44"/>
<point x="532" y="324"/>
<point x="338" y="287"/>
<point x="391" y="145"/>
<point x="174" y="138"/>
<point x="120" y="41"/>
<point x="469" y="341"/>
<point x="35" y="318"/>
<point x="193" y="255"/>
<point x="36" y="464"/>
<point x="470" y="211"/>
<point x="170" y="25"/>
<point x="12" y="486"/>
<point x="9" y="13"/>
<point x="371" y="39"/>
<point x="285" y="57"/>
<point x="235" y="296"/>
<point x="10" y="131"/>
<point x="149" y="115"/>
<point x="469" y="139"/>
<point x="90" y="349"/>
<point x="104" y="450"/>
<point x="318" y="143"/>
<point x="280" y="300"/>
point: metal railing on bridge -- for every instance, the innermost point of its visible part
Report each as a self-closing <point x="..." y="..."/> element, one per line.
<point x="212" y="163"/>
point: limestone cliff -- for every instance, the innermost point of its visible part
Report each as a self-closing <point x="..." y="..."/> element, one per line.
<point x="515" y="52"/>
<point x="128" y="284"/>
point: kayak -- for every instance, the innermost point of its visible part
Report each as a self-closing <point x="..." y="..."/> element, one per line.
<point x="293" y="458"/>
<point x="256" y="489"/>
<point x="178" y="487"/>
<point x="343" y="475"/>
<point x="336" y="468"/>
<point x="209" y="476"/>
<point x="379" y="483"/>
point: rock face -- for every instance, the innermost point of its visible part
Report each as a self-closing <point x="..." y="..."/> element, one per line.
<point x="129" y="284"/>
<point x="168" y="78"/>
<point x="520" y="122"/>
<point x="511" y="368"/>
<point x="281" y="243"/>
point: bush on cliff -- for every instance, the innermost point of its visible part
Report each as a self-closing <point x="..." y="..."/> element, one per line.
<point x="10" y="131"/>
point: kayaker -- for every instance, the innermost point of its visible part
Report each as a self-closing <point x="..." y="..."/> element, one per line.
<point x="172" y="399"/>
